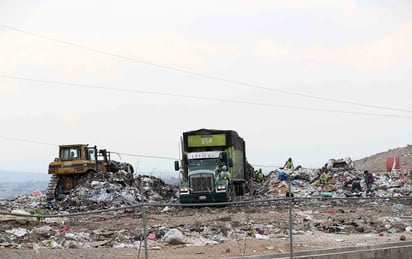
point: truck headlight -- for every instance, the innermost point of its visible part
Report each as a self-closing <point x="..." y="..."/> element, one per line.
<point x="184" y="189"/>
<point x="221" y="187"/>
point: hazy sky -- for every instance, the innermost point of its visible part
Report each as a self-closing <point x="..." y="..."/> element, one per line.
<point x="311" y="80"/>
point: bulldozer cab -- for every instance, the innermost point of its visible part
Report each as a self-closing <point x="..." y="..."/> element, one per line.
<point x="76" y="152"/>
<point x="70" y="153"/>
<point x="77" y="159"/>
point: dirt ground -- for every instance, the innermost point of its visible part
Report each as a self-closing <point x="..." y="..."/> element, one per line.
<point x="241" y="230"/>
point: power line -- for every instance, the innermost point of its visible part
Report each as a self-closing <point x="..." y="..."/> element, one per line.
<point x="146" y="156"/>
<point x="120" y="153"/>
<point x="256" y="86"/>
<point x="27" y="141"/>
<point x="56" y="145"/>
<point x="201" y="98"/>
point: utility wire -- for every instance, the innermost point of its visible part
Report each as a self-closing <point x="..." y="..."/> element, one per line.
<point x="120" y="153"/>
<point x="59" y="83"/>
<point x="56" y="145"/>
<point x="27" y="141"/>
<point x="200" y="74"/>
<point x="138" y="155"/>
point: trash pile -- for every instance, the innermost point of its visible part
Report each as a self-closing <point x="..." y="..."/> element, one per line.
<point x="106" y="190"/>
<point x="99" y="190"/>
<point x="96" y="191"/>
<point x="313" y="183"/>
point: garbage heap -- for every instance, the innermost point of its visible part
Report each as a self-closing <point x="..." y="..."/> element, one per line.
<point x="306" y="183"/>
<point x="106" y="190"/>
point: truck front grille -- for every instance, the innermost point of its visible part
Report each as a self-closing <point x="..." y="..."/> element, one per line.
<point x="201" y="183"/>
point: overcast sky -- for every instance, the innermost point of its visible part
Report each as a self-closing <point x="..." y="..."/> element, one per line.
<point x="311" y="80"/>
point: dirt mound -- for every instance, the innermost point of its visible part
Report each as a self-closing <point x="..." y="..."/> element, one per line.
<point x="377" y="162"/>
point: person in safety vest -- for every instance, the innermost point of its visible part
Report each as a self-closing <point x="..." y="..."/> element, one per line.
<point x="289" y="164"/>
<point x="324" y="177"/>
<point x="259" y="176"/>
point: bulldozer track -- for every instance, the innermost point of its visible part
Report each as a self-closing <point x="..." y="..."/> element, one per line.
<point x="51" y="189"/>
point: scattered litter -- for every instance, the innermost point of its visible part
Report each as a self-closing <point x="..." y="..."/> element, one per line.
<point x="398" y="207"/>
<point x="173" y="237"/>
<point x="108" y="191"/>
<point x="36" y="192"/>
<point x="19" y="232"/>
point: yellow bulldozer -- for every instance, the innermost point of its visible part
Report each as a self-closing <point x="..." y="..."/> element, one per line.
<point x="76" y="161"/>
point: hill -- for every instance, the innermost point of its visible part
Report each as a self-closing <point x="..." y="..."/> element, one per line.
<point x="377" y="162"/>
<point x="20" y="176"/>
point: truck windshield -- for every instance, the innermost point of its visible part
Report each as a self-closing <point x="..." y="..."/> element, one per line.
<point x="203" y="162"/>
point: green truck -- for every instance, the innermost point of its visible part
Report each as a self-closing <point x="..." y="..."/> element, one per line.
<point x="213" y="166"/>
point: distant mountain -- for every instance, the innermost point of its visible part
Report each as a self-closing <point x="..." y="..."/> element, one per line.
<point x="19" y="176"/>
<point x="377" y="162"/>
<point x="17" y="183"/>
<point x="11" y="190"/>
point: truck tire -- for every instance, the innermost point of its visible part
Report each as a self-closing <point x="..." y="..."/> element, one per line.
<point x="239" y="189"/>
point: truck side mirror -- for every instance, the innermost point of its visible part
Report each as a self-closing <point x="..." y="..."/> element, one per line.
<point x="223" y="156"/>
<point x="177" y="167"/>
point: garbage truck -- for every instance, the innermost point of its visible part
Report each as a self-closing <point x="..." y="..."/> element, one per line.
<point x="213" y="166"/>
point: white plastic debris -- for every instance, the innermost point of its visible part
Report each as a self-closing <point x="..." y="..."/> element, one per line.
<point x="173" y="236"/>
<point x="166" y="209"/>
<point x="19" y="232"/>
<point x="42" y="229"/>
<point x="259" y="236"/>
<point x="20" y="212"/>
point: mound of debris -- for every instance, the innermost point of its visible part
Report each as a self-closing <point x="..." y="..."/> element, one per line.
<point x="308" y="183"/>
<point x="100" y="190"/>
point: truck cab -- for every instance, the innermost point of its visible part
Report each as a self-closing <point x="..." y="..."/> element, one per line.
<point x="208" y="177"/>
<point x="213" y="166"/>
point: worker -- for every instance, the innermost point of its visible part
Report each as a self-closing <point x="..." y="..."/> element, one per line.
<point x="288" y="164"/>
<point x="324" y="178"/>
<point x="259" y="176"/>
<point x="221" y="172"/>
<point x="324" y="168"/>
<point x="368" y="180"/>
<point x="225" y="175"/>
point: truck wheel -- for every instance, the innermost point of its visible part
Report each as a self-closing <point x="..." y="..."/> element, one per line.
<point x="241" y="189"/>
<point x="238" y="189"/>
<point x="232" y="191"/>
